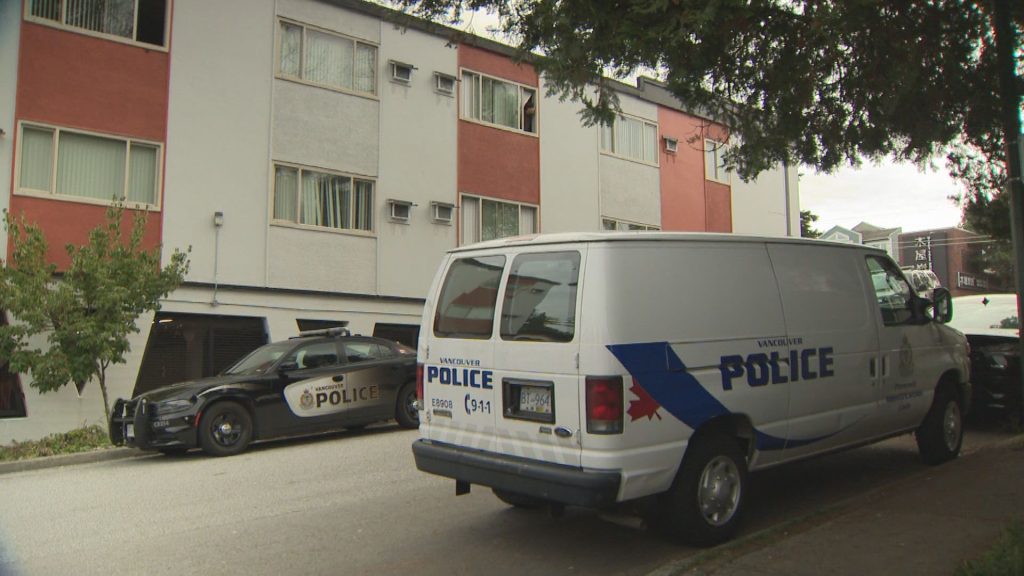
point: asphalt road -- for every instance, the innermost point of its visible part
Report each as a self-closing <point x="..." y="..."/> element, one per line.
<point x="353" y="503"/>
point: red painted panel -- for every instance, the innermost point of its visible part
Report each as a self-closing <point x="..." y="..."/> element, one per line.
<point x="498" y="163"/>
<point x="719" y="207"/>
<point x="492" y="161"/>
<point x="496" y="65"/>
<point x="682" y="173"/>
<point x="66" y="223"/>
<point x="80" y="81"/>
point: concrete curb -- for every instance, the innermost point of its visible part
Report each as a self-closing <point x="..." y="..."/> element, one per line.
<point x="101" y="455"/>
<point x="724" y="553"/>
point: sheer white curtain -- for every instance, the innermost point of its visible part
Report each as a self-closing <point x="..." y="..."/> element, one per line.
<point x="286" y="193"/>
<point x="329" y="59"/>
<point x="363" y="205"/>
<point x="90" y="167"/>
<point x="49" y="9"/>
<point x="142" y="163"/>
<point x="471" y="95"/>
<point x="116" y="17"/>
<point x="36" y="159"/>
<point x="470" y="220"/>
<point x="310" y="209"/>
<point x="291" y="49"/>
<point x="506" y="104"/>
<point x="650" y="143"/>
<point x="366" y="69"/>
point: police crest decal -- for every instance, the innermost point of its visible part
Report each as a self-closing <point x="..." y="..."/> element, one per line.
<point x="307" y="400"/>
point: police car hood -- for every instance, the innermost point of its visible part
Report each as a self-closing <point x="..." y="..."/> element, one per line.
<point x="192" y="387"/>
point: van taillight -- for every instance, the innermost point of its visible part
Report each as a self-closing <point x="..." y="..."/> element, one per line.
<point x="604" y="404"/>
<point x="419" y="383"/>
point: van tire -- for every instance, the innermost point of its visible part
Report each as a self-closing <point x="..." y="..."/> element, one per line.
<point x="518" y="500"/>
<point x="942" y="433"/>
<point x="704" y="505"/>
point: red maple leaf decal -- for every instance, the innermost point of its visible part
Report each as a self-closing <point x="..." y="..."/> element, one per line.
<point x="644" y="405"/>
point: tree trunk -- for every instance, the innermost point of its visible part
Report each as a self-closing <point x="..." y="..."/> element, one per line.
<point x="103" y="388"/>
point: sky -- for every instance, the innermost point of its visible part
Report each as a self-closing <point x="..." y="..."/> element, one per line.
<point x="887" y="195"/>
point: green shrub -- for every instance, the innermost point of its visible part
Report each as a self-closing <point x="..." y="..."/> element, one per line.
<point x="78" y="440"/>
<point x="1005" y="558"/>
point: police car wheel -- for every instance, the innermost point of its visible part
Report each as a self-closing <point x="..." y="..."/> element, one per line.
<point x="705" y="503"/>
<point x="405" y="407"/>
<point x="942" y="433"/>
<point x="518" y="500"/>
<point x="225" y="429"/>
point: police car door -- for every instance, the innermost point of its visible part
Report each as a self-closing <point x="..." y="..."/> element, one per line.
<point x="310" y="389"/>
<point x="905" y="345"/>
<point x="536" y="376"/>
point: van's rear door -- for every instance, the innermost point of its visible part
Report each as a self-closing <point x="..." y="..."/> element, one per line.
<point x="536" y="355"/>
<point x="500" y="359"/>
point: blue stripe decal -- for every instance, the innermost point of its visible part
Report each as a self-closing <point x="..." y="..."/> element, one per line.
<point x="657" y="369"/>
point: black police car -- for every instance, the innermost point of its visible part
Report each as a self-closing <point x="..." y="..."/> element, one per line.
<point x="321" y="380"/>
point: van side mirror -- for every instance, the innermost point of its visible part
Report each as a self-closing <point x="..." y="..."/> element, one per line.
<point x="942" y="305"/>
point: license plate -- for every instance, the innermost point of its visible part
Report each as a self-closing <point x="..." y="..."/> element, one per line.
<point x="129" y="431"/>
<point x="536" y="400"/>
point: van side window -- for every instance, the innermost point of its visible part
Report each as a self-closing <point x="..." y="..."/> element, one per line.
<point x="466" y="306"/>
<point x="540" y="298"/>
<point x="892" y="291"/>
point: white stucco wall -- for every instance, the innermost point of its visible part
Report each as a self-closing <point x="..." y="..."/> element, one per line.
<point x="760" y="206"/>
<point x="418" y="135"/>
<point x="219" y="137"/>
<point x="631" y="190"/>
<point x="569" y="168"/>
<point x="10" y="34"/>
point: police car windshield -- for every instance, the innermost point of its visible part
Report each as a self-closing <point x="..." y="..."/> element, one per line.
<point x="259" y="360"/>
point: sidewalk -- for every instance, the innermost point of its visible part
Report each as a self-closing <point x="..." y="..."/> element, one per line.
<point x="927" y="525"/>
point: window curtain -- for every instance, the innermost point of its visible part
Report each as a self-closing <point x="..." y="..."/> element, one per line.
<point x="90" y="167"/>
<point x="326" y="200"/>
<point x="470" y="220"/>
<point x="629" y="138"/>
<point x="471" y="95"/>
<point x="329" y="59"/>
<point x="142" y="168"/>
<point x="527" y="220"/>
<point x="286" y="192"/>
<point x="49" y="9"/>
<point x="116" y="17"/>
<point x="366" y="69"/>
<point x="506" y="104"/>
<point x="650" y="143"/>
<point x="291" y="49"/>
<point x="363" y="205"/>
<point x="486" y="100"/>
<point x="36" y="158"/>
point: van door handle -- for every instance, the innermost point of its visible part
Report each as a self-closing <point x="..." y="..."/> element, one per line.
<point x="873" y="367"/>
<point x="885" y="366"/>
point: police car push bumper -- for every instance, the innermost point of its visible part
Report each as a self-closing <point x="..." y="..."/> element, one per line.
<point x="552" y="482"/>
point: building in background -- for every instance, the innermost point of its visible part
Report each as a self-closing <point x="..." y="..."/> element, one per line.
<point x="952" y="254"/>
<point x="319" y="156"/>
<point x="884" y="238"/>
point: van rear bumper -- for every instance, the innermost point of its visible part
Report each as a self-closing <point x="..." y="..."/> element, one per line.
<point x="553" y="482"/>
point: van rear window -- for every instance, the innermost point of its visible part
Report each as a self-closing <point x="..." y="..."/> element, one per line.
<point x="540" y="297"/>
<point x="468" y="297"/>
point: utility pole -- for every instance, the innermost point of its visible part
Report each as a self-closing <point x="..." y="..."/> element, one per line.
<point x="1010" y="97"/>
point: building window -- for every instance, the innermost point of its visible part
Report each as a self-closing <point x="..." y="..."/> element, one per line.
<point x="498" y="102"/>
<point x="631" y="138"/>
<point x="444" y="84"/>
<point x="141" y="21"/>
<point x="65" y="163"/>
<point x="714" y="166"/>
<point x="620" y="225"/>
<point x="327" y="59"/>
<point x="400" y="210"/>
<point x="314" y="198"/>
<point x="401" y="72"/>
<point x="442" y="212"/>
<point x="485" y="219"/>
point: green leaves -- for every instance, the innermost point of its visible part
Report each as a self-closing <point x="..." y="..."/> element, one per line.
<point x="87" y="313"/>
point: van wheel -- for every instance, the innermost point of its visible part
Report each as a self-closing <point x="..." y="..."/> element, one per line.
<point x="705" y="503"/>
<point x="225" y="429"/>
<point x="941" y="434"/>
<point x="518" y="500"/>
<point x="406" y="413"/>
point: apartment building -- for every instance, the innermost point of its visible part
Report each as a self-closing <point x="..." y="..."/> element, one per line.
<point x="318" y="156"/>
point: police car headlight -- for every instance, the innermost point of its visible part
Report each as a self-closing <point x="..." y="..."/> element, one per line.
<point x="174" y="405"/>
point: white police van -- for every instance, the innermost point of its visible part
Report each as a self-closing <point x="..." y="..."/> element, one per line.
<point x="599" y="368"/>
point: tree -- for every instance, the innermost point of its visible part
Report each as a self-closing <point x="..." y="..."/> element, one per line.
<point x="807" y="220"/>
<point x="87" y="312"/>
<point x="799" y="81"/>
